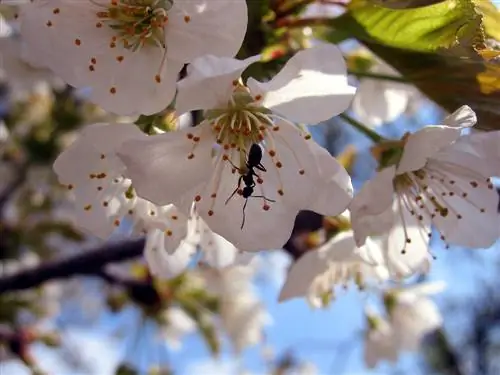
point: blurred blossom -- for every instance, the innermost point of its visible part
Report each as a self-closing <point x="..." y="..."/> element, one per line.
<point x="338" y="262"/>
<point x="412" y="314"/>
<point x="379" y="101"/>
<point x="177" y="325"/>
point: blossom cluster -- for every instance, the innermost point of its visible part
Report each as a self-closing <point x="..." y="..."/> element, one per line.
<point x="234" y="183"/>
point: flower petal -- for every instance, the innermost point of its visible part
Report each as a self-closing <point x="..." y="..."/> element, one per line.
<point x="334" y="192"/>
<point x="160" y="262"/>
<point x="377" y="102"/>
<point x="217" y="251"/>
<point x="163" y="167"/>
<point x="267" y="225"/>
<point x="200" y="27"/>
<point x="405" y="243"/>
<point x="464" y="117"/>
<point x="312" y="87"/>
<point x="209" y="83"/>
<point x="423" y="144"/>
<point x="374" y="198"/>
<point x="470" y="198"/>
<point x="316" y="262"/>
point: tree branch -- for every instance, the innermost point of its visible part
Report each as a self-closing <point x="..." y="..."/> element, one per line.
<point x="86" y="263"/>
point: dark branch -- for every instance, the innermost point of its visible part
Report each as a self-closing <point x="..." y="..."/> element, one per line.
<point x="86" y="263"/>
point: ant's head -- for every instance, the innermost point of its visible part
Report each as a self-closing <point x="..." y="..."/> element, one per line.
<point x="247" y="191"/>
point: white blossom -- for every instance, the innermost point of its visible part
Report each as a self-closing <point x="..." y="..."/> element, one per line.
<point x="104" y="197"/>
<point x="412" y="314"/>
<point x="336" y="263"/>
<point x="178" y="324"/>
<point x="243" y="316"/>
<point x="178" y="166"/>
<point x="129" y="51"/>
<point x="379" y="101"/>
<point x="439" y="178"/>
<point x="380" y="342"/>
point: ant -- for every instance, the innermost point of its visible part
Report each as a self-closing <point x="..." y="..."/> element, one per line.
<point x="254" y="160"/>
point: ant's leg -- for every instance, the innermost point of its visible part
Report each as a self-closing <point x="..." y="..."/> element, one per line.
<point x="235" y="190"/>
<point x="260" y="167"/>
<point x="244" y="206"/>
<point x="263" y="197"/>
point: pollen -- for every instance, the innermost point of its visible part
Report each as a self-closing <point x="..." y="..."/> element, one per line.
<point x="266" y="207"/>
<point x="116" y="223"/>
<point x="78" y="42"/>
<point x="87" y="207"/>
<point x="119" y="58"/>
<point x="187" y="19"/>
<point x="157" y="78"/>
<point x="210" y="213"/>
<point x="56" y="11"/>
<point x="169" y="233"/>
<point x="70" y="187"/>
<point x="49" y="23"/>
<point x="197" y="198"/>
<point x="112" y="90"/>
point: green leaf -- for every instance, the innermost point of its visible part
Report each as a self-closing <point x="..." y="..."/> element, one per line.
<point x="431" y="28"/>
<point x="491" y="17"/>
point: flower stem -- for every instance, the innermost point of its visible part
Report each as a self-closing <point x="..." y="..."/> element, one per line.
<point x="374" y="136"/>
<point x="378" y="76"/>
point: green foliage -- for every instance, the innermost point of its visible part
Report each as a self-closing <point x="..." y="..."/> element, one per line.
<point x="426" y="29"/>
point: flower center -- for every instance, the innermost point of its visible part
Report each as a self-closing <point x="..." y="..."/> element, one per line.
<point x="242" y="123"/>
<point x="137" y="23"/>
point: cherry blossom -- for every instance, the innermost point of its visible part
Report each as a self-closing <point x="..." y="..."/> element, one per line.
<point x="208" y="162"/>
<point x="379" y="101"/>
<point x="129" y="51"/>
<point x="177" y="325"/>
<point x="380" y="343"/>
<point x="412" y="314"/>
<point x="243" y="316"/>
<point x="438" y="177"/>
<point x="104" y="197"/>
<point x="337" y="262"/>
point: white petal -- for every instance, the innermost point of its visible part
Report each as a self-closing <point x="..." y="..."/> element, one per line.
<point x="484" y="145"/>
<point x="217" y="251"/>
<point x="374" y="198"/>
<point x="312" y="86"/>
<point x="161" y="168"/>
<point x="160" y="262"/>
<point x="209" y="83"/>
<point x="423" y="144"/>
<point x="316" y="262"/>
<point x="377" y="102"/>
<point x="263" y="229"/>
<point x="213" y="27"/>
<point x="464" y="117"/>
<point x="472" y="218"/>
<point x="334" y="192"/>
<point x="405" y="244"/>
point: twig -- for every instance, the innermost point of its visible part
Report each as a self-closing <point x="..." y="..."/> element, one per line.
<point x="86" y="263"/>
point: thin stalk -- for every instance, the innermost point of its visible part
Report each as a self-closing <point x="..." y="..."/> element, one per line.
<point x="374" y="136"/>
<point x="379" y="76"/>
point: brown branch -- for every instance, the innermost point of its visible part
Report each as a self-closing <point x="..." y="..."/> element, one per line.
<point x="89" y="262"/>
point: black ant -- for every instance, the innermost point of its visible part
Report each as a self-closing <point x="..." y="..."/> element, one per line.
<point x="254" y="160"/>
